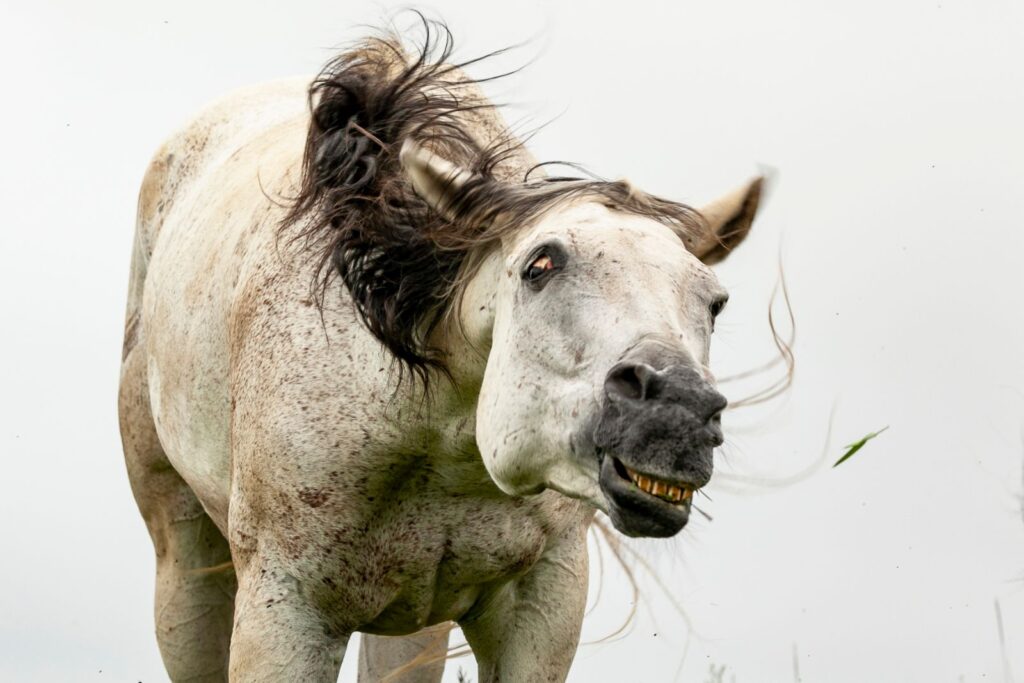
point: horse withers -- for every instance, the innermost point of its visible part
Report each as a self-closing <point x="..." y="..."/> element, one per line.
<point x="384" y="371"/>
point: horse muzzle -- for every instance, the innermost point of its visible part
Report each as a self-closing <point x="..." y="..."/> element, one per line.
<point x="654" y="439"/>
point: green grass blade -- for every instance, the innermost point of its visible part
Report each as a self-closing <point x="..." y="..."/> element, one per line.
<point x="857" y="445"/>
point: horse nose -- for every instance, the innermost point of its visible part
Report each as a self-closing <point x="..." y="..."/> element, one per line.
<point x="636" y="381"/>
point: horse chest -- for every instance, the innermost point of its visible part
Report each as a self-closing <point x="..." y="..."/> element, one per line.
<point x="423" y="563"/>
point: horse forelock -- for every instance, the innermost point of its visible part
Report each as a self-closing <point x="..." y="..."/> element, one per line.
<point x="405" y="265"/>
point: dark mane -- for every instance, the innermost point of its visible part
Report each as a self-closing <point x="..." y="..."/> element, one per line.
<point x="403" y="263"/>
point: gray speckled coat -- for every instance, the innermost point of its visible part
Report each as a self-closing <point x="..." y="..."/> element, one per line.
<point x="259" y="433"/>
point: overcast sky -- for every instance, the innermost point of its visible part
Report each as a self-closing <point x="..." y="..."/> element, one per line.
<point x="898" y="211"/>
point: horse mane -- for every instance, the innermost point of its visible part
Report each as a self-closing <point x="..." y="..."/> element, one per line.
<point x="404" y="264"/>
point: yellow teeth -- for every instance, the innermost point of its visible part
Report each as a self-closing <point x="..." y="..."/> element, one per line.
<point x="661" y="489"/>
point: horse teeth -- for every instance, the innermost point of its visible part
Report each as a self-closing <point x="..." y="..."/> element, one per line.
<point x="661" y="489"/>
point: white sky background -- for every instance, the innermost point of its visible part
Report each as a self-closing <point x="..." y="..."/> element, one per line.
<point x="897" y="131"/>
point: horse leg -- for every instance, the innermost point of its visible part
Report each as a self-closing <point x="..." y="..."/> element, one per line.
<point x="281" y="633"/>
<point x="416" y="658"/>
<point x="194" y="603"/>
<point x="527" y="630"/>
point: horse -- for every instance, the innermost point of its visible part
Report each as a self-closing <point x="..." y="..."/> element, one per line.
<point x="380" y="370"/>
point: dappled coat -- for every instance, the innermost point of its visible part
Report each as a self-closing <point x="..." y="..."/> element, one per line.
<point x="379" y="372"/>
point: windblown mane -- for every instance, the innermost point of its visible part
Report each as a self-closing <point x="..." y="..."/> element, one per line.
<point x="403" y="263"/>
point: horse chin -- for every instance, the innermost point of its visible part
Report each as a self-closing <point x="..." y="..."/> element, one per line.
<point x="642" y="506"/>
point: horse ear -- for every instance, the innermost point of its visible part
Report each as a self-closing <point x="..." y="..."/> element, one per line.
<point x="436" y="180"/>
<point x="728" y="221"/>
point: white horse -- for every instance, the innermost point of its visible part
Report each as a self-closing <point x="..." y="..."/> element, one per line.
<point x="387" y="376"/>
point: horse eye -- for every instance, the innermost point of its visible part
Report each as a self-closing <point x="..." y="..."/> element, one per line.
<point x="540" y="265"/>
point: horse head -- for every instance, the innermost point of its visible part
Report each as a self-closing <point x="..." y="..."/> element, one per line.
<point x="594" y="306"/>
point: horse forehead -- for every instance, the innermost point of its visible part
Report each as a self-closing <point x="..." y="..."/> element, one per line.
<point x="591" y="227"/>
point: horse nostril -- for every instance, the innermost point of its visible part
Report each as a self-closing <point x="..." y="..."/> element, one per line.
<point x="630" y="380"/>
<point x="716" y="405"/>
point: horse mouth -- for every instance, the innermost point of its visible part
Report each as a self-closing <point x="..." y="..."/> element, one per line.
<point x="659" y="488"/>
<point x="640" y="504"/>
